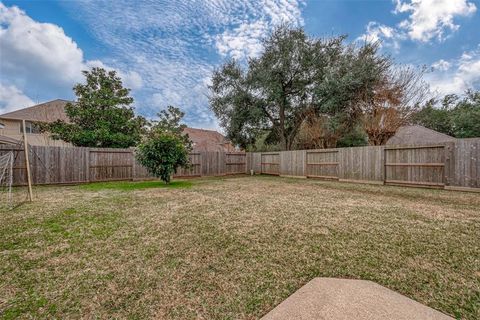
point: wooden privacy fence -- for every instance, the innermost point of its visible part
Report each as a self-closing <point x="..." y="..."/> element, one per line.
<point x="452" y="165"/>
<point x="416" y="165"/>
<point x="322" y="164"/>
<point x="71" y="165"/>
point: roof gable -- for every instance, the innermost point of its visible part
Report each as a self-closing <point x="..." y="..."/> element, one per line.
<point x="208" y="140"/>
<point x="416" y="134"/>
<point x="43" y="112"/>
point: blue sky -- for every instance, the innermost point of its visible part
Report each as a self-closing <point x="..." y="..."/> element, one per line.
<point x="165" y="50"/>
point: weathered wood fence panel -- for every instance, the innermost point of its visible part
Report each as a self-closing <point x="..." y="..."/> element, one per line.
<point x="110" y="165"/>
<point x="270" y="163"/>
<point x="19" y="169"/>
<point x="361" y="164"/>
<point x="235" y="163"/>
<point x="195" y="169"/>
<point x="466" y="163"/>
<point x="50" y="165"/>
<point x="292" y="163"/>
<point x="71" y="165"/>
<point x="322" y="163"/>
<point x="416" y="165"/>
<point x="450" y="165"/>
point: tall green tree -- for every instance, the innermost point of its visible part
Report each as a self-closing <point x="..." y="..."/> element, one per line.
<point x="295" y="76"/>
<point x="102" y="116"/>
<point x="466" y="116"/>
<point x="435" y="116"/>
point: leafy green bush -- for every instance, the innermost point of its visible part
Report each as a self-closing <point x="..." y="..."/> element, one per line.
<point x="162" y="153"/>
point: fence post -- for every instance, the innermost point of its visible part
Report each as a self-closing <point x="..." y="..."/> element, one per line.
<point x="132" y="172"/>
<point x="304" y="163"/>
<point x="341" y="163"/>
<point x="449" y="158"/>
<point x="384" y="160"/>
<point x="87" y="166"/>
<point x="27" y="162"/>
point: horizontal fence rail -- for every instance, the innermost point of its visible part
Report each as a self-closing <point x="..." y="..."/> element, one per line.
<point x="452" y="165"/>
<point x="73" y="165"/>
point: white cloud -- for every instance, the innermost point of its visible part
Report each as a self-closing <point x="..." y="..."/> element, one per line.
<point x="131" y="79"/>
<point x="40" y="58"/>
<point x="387" y="36"/>
<point x="462" y="74"/>
<point x="432" y="18"/>
<point x="245" y="40"/>
<point x="31" y="48"/>
<point x="11" y="98"/>
<point x="428" y="19"/>
<point x="441" y="65"/>
<point x="174" y="45"/>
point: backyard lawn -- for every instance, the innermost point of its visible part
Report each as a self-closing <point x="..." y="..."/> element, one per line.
<point x="232" y="248"/>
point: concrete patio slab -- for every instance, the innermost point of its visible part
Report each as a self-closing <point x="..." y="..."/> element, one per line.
<point x="335" y="299"/>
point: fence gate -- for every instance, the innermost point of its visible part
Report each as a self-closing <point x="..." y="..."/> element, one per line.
<point x="110" y="165"/>
<point x="415" y="165"/>
<point x="322" y="164"/>
<point x="270" y="163"/>
<point x="235" y="163"/>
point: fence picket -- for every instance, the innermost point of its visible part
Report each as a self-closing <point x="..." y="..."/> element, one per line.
<point x="453" y="165"/>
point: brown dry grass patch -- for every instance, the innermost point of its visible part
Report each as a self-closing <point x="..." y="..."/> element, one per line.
<point x="233" y="248"/>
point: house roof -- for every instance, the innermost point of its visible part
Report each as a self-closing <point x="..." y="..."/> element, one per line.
<point x="43" y="112"/>
<point x="416" y="134"/>
<point x="208" y="140"/>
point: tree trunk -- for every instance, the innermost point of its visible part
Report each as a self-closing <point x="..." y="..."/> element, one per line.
<point x="283" y="141"/>
<point x="283" y="135"/>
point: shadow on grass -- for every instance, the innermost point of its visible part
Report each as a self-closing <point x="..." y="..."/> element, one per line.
<point x="131" y="185"/>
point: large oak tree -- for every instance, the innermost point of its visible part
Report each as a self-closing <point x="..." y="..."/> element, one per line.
<point x="295" y="76"/>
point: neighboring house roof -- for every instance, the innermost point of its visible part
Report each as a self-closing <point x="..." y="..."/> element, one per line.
<point x="204" y="140"/>
<point x="43" y="112"/>
<point x="208" y="140"/>
<point x="416" y="134"/>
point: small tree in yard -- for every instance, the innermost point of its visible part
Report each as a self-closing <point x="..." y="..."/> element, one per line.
<point x="162" y="153"/>
<point x="165" y="148"/>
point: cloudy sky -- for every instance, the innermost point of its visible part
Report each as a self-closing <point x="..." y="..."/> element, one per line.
<point x="165" y="50"/>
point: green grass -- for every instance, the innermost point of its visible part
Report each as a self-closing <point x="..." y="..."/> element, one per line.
<point x="135" y="185"/>
<point x="232" y="248"/>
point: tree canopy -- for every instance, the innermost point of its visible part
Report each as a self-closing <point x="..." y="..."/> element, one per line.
<point x="169" y="121"/>
<point x="162" y="153"/>
<point x="452" y="115"/>
<point x="165" y="147"/>
<point x="102" y="116"/>
<point x="296" y="76"/>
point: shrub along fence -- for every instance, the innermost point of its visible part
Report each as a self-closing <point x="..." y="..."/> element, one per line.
<point x="452" y="165"/>
<point x="71" y="165"/>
